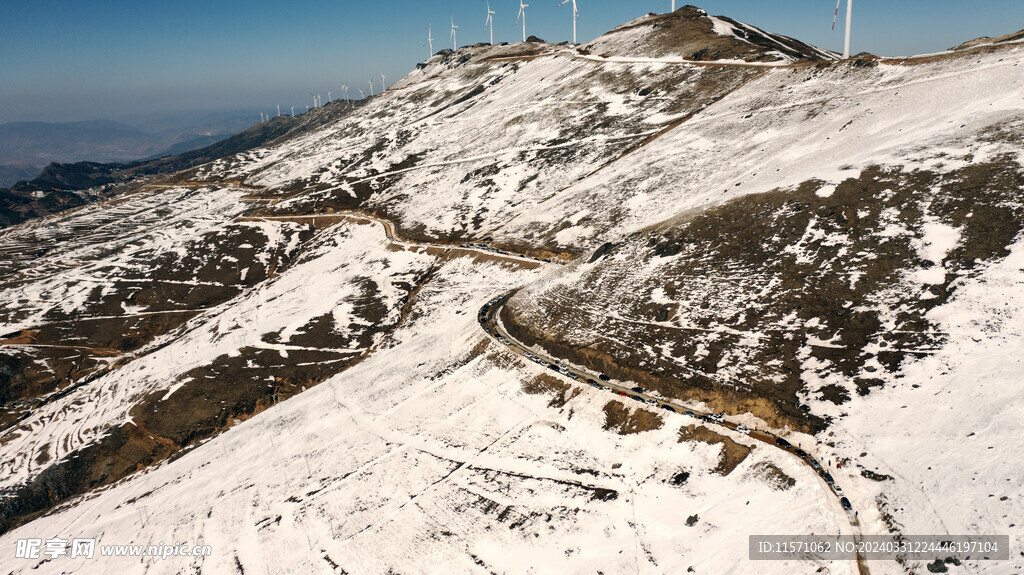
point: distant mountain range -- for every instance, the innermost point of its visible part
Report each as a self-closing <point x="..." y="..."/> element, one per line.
<point x="60" y="186"/>
<point x="27" y="147"/>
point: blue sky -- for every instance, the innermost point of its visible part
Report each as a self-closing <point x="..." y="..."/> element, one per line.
<point x="63" y="60"/>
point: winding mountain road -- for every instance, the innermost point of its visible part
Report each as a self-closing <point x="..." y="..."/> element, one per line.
<point x="487" y="318"/>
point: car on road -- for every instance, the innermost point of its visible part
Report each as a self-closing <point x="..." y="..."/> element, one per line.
<point x="591" y="382"/>
<point x="828" y="478"/>
<point x="706" y="419"/>
<point x="800" y="453"/>
<point x="552" y="367"/>
<point x="814" y="463"/>
<point x="838" y="490"/>
<point x="667" y="407"/>
<point x="603" y="377"/>
<point x="845" y="503"/>
<point x="638" y="389"/>
<point x="717" y="417"/>
<point x="690" y="413"/>
<point x="623" y="393"/>
<point x="783" y="443"/>
<point x="743" y="429"/>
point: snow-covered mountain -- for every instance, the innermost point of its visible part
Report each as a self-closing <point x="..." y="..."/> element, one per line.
<point x="279" y="354"/>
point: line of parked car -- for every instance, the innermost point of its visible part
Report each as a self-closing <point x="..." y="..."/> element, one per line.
<point x="816" y="465"/>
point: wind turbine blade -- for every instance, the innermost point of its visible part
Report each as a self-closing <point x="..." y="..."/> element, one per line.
<point x="836" y="17"/>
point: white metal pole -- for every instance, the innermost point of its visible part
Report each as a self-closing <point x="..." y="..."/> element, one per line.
<point x="849" y="25"/>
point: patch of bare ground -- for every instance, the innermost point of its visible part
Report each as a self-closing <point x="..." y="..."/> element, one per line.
<point x="732" y="453"/>
<point x="626" y="421"/>
<point x="561" y="392"/>
<point x="768" y="473"/>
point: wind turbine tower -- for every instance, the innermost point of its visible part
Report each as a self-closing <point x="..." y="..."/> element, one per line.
<point x="383" y="83"/>
<point x="849" y="25"/>
<point x="455" y="41"/>
<point x="490" y="21"/>
<point x="575" y="17"/>
<point x="522" y="14"/>
<point x="371" y="87"/>
<point x="430" y="40"/>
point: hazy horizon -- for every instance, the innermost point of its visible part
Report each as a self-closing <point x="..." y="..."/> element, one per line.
<point x="108" y="59"/>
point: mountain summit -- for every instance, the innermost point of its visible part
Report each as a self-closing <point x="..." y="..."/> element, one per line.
<point x="692" y="34"/>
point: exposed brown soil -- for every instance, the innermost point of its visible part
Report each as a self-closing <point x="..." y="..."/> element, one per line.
<point x="561" y="392"/>
<point x="732" y="453"/>
<point x="626" y="421"/>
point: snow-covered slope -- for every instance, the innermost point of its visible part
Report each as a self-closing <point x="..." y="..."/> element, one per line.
<point x="253" y="357"/>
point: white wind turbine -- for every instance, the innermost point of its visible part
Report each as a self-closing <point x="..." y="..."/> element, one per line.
<point x="575" y="17"/>
<point x="293" y="111"/>
<point x="490" y="21"/>
<point x="279" y="110"/>
<point x="849" y="24"/>
<point x="673" y="5"/>
<point x="329" y="98"/>
<point x="430" y="40"/>
<point x="362" y="95"/>
<point x="522" y="14"/>
<point x="455" y="41"/>
<point x="383" y="83"/>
